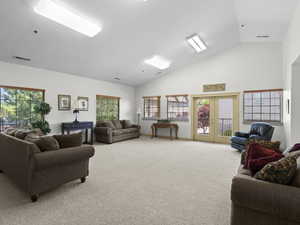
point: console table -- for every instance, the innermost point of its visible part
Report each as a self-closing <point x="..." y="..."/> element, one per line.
<point x="67" y="127"/>
<point x="171" y="126"/>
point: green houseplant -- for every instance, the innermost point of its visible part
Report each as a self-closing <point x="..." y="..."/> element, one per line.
<point x="43" y="109"/>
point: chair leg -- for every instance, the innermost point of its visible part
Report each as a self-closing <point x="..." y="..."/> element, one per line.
<point x="34" y="198"/>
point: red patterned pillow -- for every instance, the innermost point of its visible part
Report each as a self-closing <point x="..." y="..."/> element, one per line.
<point x="258" y="156"/>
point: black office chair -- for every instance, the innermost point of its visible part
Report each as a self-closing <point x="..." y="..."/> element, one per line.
<point x="258" y="131"/>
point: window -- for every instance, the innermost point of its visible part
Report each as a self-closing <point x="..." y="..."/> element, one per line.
<point x="178" y="107"/>
<point x="17" y="106"/>
<point x="108" y="107"/>
<point x="151" y="108"/>
<point x="263" y="105"/>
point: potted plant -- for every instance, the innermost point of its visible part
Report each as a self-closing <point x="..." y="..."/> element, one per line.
<point x="43" y="109"/>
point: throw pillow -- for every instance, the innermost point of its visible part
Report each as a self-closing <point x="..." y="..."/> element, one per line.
<point x="108" y="124"/>
<point x="70" y="140"/>
<point x="127" y="124"/>
<point x="10" y="131"/>
<point x="275" y="145"/>
<point x="117" y="124"/>
<point x="281" y="172"/>
<point x="47" y="143"/>
<point x="21" y="134"/>
<point x="258" y="156"/>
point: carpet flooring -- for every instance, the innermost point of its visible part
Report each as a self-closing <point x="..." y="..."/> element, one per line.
<point x="137" y="182"/>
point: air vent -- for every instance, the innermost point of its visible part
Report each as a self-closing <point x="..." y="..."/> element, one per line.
<point x="263" y="36"/>
<point x="22" y="58"/>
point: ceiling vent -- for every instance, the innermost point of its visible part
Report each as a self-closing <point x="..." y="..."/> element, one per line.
<point x="22" y="58"/>
<point x="263" y="36"/>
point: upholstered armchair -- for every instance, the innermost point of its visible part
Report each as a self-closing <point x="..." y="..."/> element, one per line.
<point x="258" y="131"/>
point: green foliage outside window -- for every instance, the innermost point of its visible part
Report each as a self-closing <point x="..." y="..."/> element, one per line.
<point x="107" y="108"/>
<point x="17" y="107"/>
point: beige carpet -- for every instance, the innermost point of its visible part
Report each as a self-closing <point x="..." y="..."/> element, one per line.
<point x="137" y="182"/>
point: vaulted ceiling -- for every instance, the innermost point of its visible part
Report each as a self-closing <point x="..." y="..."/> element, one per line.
<point x="134" y="30"/>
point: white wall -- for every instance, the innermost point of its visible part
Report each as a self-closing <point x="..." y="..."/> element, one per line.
<point x="245" y="67"/>
<point x="60" y="83"/>
<point x="291" y="51"/>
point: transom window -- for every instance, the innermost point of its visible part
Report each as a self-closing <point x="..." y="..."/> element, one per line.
<point x="178" y="107"/>
<point x="17" y="106"/>
<point x="263" y="105"/>
<point x="108" y="107"/>
<point x="151" y="108"/>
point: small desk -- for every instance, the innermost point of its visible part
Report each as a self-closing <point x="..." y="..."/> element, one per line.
<point x="79" y="126"/>
<point x="171" y="126"/>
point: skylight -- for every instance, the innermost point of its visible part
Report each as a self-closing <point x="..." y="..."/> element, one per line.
<point x="61" y="15"/>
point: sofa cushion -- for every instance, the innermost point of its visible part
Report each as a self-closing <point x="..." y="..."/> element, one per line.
<point x="126" y="124"/>
<point x="280" y="172"/>
<point x="47" y="143"/>
<point x="117" y="124"/>
<point x="70" y="140"/>
<point x="118" y="132"/>
<point x="108" y="124"/>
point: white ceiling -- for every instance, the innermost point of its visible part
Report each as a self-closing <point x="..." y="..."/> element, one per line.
<point x="134" y="30"/>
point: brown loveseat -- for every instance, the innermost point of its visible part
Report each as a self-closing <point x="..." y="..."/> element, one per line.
<point x="264" y="203"/>
<point x="37" y="172"/>
<point x="116" y="130"/>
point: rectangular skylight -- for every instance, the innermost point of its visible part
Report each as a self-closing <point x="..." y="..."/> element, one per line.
<point x="196" y="42"/>
<point x="61" y="15"/>
<point x="158" y="62"/>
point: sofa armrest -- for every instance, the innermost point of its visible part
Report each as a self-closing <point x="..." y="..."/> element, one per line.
<point x="64" y="156"/>
<point x="104" y="131"/>
<point x="242" y="134"/>
<point x="275" y="199"/>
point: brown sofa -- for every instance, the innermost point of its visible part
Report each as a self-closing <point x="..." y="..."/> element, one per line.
<point x="264" y="203"/>
<point x="115" y="130"/>
<point x="37" y="172"/>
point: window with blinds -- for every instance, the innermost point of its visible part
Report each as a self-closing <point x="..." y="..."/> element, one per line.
<point x="178" y="107"/>
<point x="107" y="107"/>
<point x="17" y="106"/>
<point x="263" y="105"/>
<point x="151" y="108"/>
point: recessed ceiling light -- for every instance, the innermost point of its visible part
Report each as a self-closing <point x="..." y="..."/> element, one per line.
<point x="158" y="62"/>
<point x="61" y="15"/>
<point x="196" y="42"/>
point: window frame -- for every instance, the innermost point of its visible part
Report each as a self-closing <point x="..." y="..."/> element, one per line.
<point x="145" y="98"/>
<point x="274" y="122"/>
<point x="183" y="119"/>
<point x="108" y="97"/>
<point x="22" y="89"/>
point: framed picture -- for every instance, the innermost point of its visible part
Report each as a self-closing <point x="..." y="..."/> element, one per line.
<point x="64" y="102"/>
<point x="83" y="103"/>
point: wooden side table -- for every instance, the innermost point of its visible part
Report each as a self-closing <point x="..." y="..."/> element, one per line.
<point x="171" y="126"/>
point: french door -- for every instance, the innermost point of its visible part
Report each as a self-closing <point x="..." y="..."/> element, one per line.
<point x="215" y="118"/>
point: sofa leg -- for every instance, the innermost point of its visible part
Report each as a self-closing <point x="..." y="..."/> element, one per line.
<point x="34" y="198"/>
<point x="1" y="171"/>
<point x="82" y="179"/>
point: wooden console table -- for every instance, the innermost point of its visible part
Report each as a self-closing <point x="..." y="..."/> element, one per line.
<point x="79" y="126"/>
<point x="171" y="126"/>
